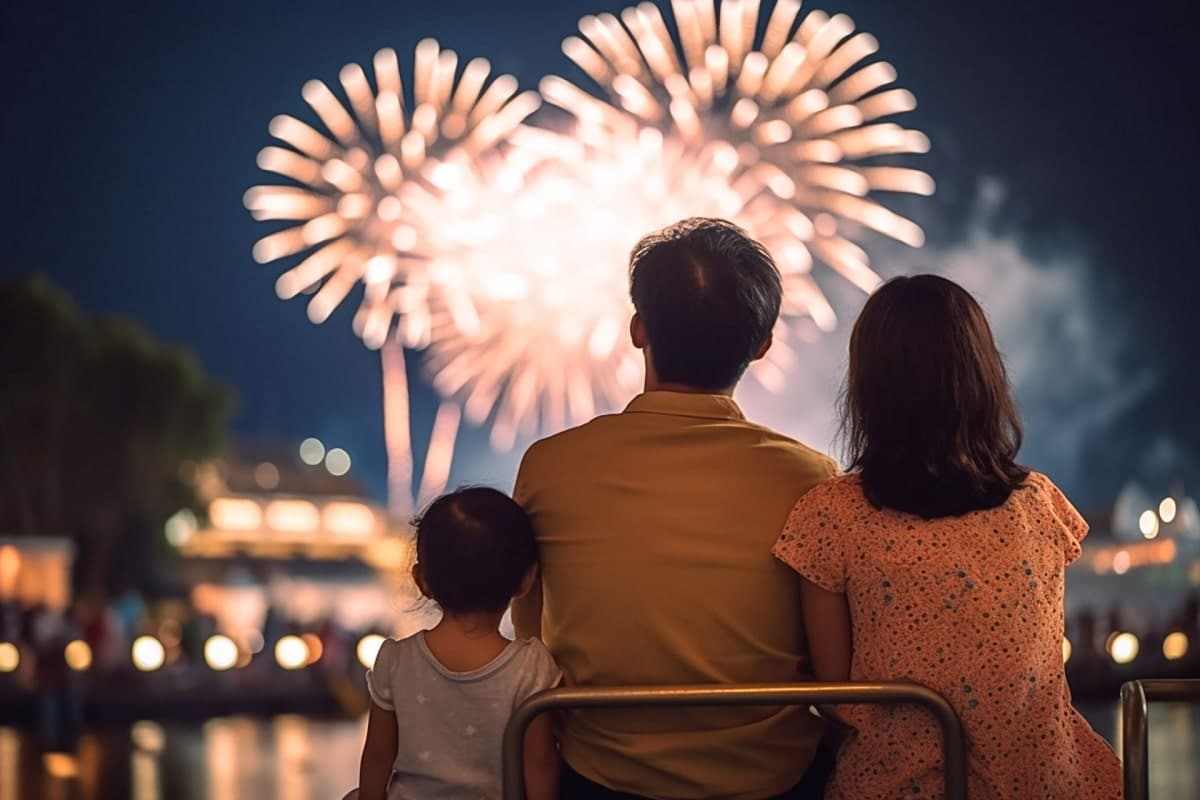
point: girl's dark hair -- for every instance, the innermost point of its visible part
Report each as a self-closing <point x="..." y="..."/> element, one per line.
<point x="474" y="546"/>
<point x="927" y="411"/>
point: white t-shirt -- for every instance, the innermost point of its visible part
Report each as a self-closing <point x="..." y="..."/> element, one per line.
<point x="451" y="724"/>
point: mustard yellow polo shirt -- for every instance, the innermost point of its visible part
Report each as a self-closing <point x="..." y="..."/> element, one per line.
<point x="655" y="528"/>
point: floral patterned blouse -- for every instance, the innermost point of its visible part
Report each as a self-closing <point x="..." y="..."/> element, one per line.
<point x="972" y="607"/>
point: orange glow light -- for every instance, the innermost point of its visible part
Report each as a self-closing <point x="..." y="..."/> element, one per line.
<point x="235" y="514"/>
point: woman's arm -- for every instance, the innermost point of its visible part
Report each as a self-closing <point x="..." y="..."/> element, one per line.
<point x="827" y="629"/>
<point x="379" y="754"/>
<point x="541" y="760"/>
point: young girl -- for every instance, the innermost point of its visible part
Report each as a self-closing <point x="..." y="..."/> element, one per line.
<point x="940" y="560"/>
<point x="440" y="699"/>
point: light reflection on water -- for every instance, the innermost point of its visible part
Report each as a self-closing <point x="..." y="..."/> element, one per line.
<point x="10" y="749"/>
<point x="298" y="758"/>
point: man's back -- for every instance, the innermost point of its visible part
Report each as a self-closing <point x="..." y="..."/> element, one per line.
<point x="655" y="528"/>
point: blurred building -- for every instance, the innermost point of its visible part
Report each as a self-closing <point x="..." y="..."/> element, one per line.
<point x="288" y="537"/>
<point x="36" y="571"/>
<point x="1142" y="559"/>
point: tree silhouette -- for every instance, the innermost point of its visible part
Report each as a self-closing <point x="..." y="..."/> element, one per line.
<point x="98" y="421"/>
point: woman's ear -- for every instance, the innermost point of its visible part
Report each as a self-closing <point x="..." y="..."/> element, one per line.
<point x="528" y="580"/>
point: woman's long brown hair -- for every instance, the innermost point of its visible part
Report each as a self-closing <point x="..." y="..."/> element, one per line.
<point x="927" y="411"/>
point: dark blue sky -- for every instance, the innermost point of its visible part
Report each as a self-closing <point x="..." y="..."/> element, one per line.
<point x="130" y="130"/>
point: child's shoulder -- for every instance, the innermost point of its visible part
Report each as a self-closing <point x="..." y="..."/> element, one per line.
<point x="532" y="649"/>
<point x="392" y="650"/>
<point x="535" y="661"/>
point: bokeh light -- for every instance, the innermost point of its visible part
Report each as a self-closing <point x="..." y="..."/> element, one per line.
<point x="1121" y="562"/>
<point x="10" y="565"/>
<point x="1123" y="647"/>
<point x="312" y="451"/>
<point x="314" y="646"/>
<point x="148" y="653"/>
<point x="180" y="527"/>
<point x="78" y="655"/>
<point x="293" y="516"/>
<point x="62" y="766"/>
<point x="337" y="461"/>
<point x="1167" y="509"/>
<point x="235" y="514"/>
<point x="368" y="649"/>
<point x="1066" y="649"/>
<point x="10" y="657"/>
<point x="1175" y="645"/>
<point x="220" y="653"/>
<point x="266" y="475"/>
<point x="291" y="652"/>
<point x="148" y="736"/>
<point x="1148" y="524"/>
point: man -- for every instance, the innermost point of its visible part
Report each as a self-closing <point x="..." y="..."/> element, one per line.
<point x="655" y="529"/>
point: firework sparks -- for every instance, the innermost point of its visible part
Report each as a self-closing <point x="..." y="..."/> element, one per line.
<point x="356" y="191"/>
<point x="780" y="135"/>
<point x="500" y="248"/>
<point x="356" y="195"/>
<point x="541" y="340"/>
<point x="803" y="116"/>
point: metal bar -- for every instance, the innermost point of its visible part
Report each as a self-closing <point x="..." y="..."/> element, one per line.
<point x="786" y="694"/>
<point x="1135" y="746"/>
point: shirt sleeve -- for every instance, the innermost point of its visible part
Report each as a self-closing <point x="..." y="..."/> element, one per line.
<point x="524" y="488"/>
<point x="540" y="673"/>
<point x="1070" y="521"/>
<point x="379" y="677"/>
<point x="812" y="542"/>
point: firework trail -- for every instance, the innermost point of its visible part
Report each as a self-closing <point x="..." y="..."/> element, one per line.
<point x="355" y="198"/>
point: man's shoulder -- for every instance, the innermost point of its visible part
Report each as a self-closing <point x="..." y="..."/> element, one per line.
<point x="592" y="430"/>
<point x="789" y="450"/>
<point x="567" y="443"/>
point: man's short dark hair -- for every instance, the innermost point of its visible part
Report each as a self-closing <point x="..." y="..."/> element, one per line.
<point x="709" y="296"/>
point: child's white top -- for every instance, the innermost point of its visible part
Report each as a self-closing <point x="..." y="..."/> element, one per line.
<point x="451" y="724"/>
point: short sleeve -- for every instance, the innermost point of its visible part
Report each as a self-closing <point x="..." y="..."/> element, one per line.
<point x="813" y="542"/>
<point x="526" y="483"/>
<point x="379" y="676"/>
<point x="539" y="672"/>
<point x="1070" y="521"/>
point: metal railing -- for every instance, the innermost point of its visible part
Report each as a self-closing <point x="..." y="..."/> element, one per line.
<point x="782" y="694"/>
<point x="1135" y="755"/>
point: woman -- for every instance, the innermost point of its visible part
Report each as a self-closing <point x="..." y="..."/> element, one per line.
<point x="939" y="559"/>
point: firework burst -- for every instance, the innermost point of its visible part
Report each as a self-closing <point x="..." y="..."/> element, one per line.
<point x="805" y="117"/>
<point x="358" y="194"/>
<point x="499" y="248"/>
<point x="541" y="341"/>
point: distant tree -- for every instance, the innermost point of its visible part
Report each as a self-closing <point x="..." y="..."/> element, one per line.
<point x="97" y="422"/>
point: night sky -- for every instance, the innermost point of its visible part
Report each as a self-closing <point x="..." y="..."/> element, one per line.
<point x="129" y="133"/>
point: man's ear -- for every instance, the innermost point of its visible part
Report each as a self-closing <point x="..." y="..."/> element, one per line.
<point x="762" y="351"/>
<point x="528" y="580"/>
<point x="419" y="579"/>
<point x="637" y="332"/>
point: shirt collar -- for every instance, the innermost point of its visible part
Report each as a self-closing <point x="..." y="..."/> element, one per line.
<point x="686" y="404"/>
